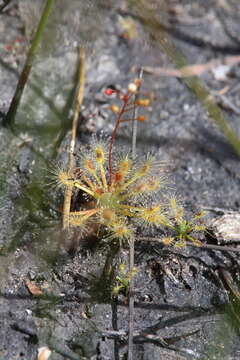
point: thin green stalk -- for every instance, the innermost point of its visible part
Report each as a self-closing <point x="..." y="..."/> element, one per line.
<point x="10" y="117"/>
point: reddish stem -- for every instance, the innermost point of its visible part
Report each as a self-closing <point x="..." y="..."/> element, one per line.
<point x="130" y="108"/>
<point x="113" y="137"/>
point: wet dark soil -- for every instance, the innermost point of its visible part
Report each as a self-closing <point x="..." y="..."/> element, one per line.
<point x="186" y="299"/>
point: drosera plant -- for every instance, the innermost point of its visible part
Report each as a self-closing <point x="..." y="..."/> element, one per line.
<point x="183" y="229"/>
<point x="120" y="191"/>
<point x="123" y="280"/>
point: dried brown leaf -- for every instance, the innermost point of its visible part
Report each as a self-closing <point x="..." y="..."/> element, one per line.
<point x="33" y="288"/>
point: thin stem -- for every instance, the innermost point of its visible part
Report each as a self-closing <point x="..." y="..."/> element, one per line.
<point x="131" y="181"/>
<point x="98" y="181"/>
<point x="131" y="301"/>
<point x="195" y="241"/>
<point x="83" y="188"/>
<point x="135" y="113"/>
<point x="10" y="117"/>
<point x="115" y="327"/>
<point x="113" y="137"/>
<point x="132" y="107"/>
<point x="85" y="217"/>
<point x="85" y="212"/>
<point x="88" y="182"/>
<point x="104" y="181"/>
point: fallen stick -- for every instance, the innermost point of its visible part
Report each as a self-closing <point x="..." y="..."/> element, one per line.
<point x="78" y="103"/>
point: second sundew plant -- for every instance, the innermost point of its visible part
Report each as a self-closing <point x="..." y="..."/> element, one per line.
<point x="120" y="192"/>
<point x="123" y="280"/>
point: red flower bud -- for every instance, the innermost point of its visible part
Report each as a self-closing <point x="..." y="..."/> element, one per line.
<point x="109" y="91"/>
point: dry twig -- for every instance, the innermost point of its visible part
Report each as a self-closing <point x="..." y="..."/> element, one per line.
<point x="78" y="103"/>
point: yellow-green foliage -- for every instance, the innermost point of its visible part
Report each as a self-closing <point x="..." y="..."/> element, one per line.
<point x="182" y="229"/>
<point x="123" y="280"/>
<point x="126" y="201"/>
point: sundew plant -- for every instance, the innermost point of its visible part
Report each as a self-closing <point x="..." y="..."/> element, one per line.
<point x="120" y="191"/>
